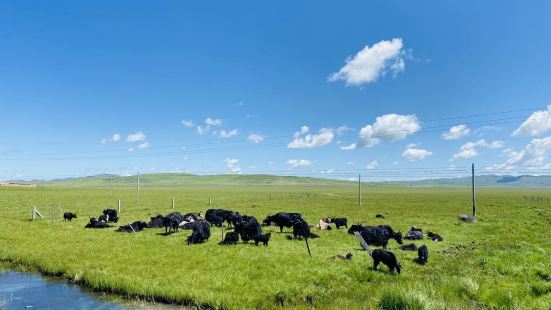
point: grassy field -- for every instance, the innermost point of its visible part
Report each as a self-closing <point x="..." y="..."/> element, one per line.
<point x="501" y="262"/>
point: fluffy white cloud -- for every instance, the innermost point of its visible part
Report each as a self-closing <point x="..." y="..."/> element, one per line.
<point x="297" y="163"/>
<point x="468" y="150"/>
<point x="304" y="140"/>
<point x="413" y="153"/>
<point x="533" y="156"/>
<point x="456" y="132"/>
<point x="136" y="137"/>
<point x="372" y="62"/>
<point x="342" y="130"/>
<point x="538" y="123"/>
<point x="213" y="122"/>
<point x="372" y="165"/>
<point x="255" y="138"/>
<point x="232" y="164"/>
<point x="144" y="146"/>
<point x="389" y="127"/>
<point x="223" y="134"/>
<point x="115" y="138"/>
<point x="187" y="123"/>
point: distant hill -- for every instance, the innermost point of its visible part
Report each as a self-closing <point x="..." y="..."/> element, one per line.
<point x="182" y="179"/>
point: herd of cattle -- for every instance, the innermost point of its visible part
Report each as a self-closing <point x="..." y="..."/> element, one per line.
<point x="248" y="228"/>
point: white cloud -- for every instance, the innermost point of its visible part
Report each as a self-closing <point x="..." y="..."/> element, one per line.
<point x="203" y="130"/>
<point x="372" y="165"/>
<point x="456" y="132"/>
<point x="342" y="130"/>
<point x="538" y="123"/>
<point x="232" y="164"/>
<point x="225" y="134"/>
<point x="390" y="127"/>
<point x="297" y="163"/>
<point x="372" y="62"/>
<point x="533" y="156"/>
<point x="136" y="137"/>
<point x="256" y="138"/>
<point x="144" y="146"/>
<point x="468" y="150"/>
<point x="413" y="153"/>
<point x="115" y="138"/>
<point x="213" y="122"/>
<point x="304" y="140"/>
<point x="187" y="123"/>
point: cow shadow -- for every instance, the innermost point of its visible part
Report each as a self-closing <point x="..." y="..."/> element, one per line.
<point x="165" y="234"/>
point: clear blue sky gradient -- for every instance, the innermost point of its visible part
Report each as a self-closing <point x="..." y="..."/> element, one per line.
<point x="72" y="73"/>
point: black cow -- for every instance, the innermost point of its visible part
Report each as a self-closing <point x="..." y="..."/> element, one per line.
<point x="423" y="255"/>
<point x="377" y="235"/>
<point x="409" y="247"/>
<point x="414" y="233"/>
<point x="282" y="219"/>
<point x="339" y="221"/>
<point x="235" y="218"/>
<point x="262" y="238"/>
<point x="301" y="229"/>
<point x="231" y="238"/>
<point x="386" y="257"/>
<point x="379" y="216"/>
<point x="68" y="216"/>
<point x="215" y="220"/>
<point x="201" y="232"/>
<point x="96" y="224"/>
<point x="212" y="214"/>
<point x="112" y="215"/>
<point x="248" y="229"/>
<point x="134" y="227"/>
<point x="156" y="222"/>
<point x="171" y="221"/>
<point x="435" y="237"/>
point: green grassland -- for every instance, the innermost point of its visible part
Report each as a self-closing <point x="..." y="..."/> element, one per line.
<point x="501" y="262"/>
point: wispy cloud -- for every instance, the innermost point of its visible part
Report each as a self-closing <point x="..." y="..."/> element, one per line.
<point x="537" y="124"/>
<point x="456" y="132"/>
<point x="256" y="138"/>
<point x="372" y="165"/>
<point x="187" y="123"/>
<point x="223" y="134"/>
<point x="304" y="140"/>
<point x="232" y="164"/>
<point x="469" y="150"/>
<point x="115" y="138"/>
<point x="136" y="137"/>
<point x="298" y="163"/>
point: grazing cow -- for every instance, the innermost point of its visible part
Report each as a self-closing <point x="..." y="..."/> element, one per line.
<point x="68" y="216"/>
<point x="230" y="238"/>
<point x="212" y="215"/>
<point x="134" y="227"/>
<point x="301" y="229"/>
<point x="324" y="224"/>
<point x="386" y="257"/>
<point x="156" y="222"/>
<point x="235" y="218"/>
<point x="376" y="235"/>
<point x="96" y="224"/>
<point x="423" y="254"/>
<point x="247" y="230"/>
<point x="172" y="221"/>
<point x="339" y="221"/>
<point x="262" y="238"/>
<point x="112" y="215"/>
<point x="414" y="234"/>
<point x="341" y="257"/>
<point x="379" y="216"/>
<point x="408" y="247"/>
<point x="201" y="232"/>
<point x="282" y="219"/>
<point x="435" y="237"/>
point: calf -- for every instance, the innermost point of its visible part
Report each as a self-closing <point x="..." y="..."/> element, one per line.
<point x="134" y="227"/>
<point x="230" y="238"/>
<point x="409" y="247"/>
<point x="387" y="258"/>
<point x="262" y="238"/>
<point x="423" y="255"/>
<point x="435" y="237"/>
<point x="339" y="221"/>
<point x="201" y="232"/>
<point x="414" y="233"/>
<point x="68" y="216"/>
<point x="324" y="224"/>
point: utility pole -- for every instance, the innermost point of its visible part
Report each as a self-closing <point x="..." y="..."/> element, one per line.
<point x="138" y="188"/>
<point x="474" y="194"/>
<point x="359" y="190"/>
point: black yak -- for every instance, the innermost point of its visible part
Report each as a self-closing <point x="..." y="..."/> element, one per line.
<point x="156" y="222"/>
<point x="96" y="224"/>
<point x="301" y="229"/>
<point x="414" y="233"/>
<point x="282" y="219"/>
<point x="408" y="247"/>
<point x="377" y="235"/>
<point x="201" y="232"/>
<point x="230" y="238"/>
<point x="387" y="258"/>
<point x="435" y="237"/>
<point x="262" y="238"/>
<point x="68" y="216"/>
<point x="339" y="221"/>
<point x="172" y="221"/>
<point x="423" y="255"/>
<point x="112" y="215"/>
<point x="247" y="229"/>
<point x="134" y="227"/>
<point x="213" y="215"/>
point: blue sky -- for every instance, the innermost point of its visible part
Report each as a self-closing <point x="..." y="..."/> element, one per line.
<point x="73" y="74"/>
